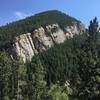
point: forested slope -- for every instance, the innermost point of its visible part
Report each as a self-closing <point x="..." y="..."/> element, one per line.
<point x="67" y="71"/>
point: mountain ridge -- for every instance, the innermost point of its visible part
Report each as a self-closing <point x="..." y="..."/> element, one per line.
<point x="37" y="33"/>
<point x="9" y="32"/>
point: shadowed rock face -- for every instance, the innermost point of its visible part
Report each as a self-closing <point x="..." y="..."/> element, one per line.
<point x="41" y="39"/>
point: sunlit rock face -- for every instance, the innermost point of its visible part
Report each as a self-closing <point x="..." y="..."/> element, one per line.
<point x="41" y="39"/>
<point x="76" y="28"/>
<point x="56" y="33"/>
<point x="24" y="47"/>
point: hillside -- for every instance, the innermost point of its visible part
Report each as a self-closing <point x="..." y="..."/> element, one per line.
<point x="12" y="30"/>
<point x="50" y="56"/>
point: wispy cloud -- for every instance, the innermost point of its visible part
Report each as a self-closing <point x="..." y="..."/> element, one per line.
<point x="20" y="15"/>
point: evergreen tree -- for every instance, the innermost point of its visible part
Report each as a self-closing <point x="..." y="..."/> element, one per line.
<point x="39" y="85"/>
<point x="58" y="92"/>
<point x="21" y="86"/>
<point x="5" y="76"/>
<point x="89" y="65"/>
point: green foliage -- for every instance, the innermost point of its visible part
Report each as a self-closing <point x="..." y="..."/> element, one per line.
<point x="89" y="60"/>
<point x="21" y="80"/>
<point x="61" y="61"/>
<point x="76" y="60"/>
<point x="58" y="92"/>
<point x="5" y="75"/>
<point x="36" y="83"/>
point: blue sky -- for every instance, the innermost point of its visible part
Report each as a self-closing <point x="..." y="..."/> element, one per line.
<point x="84" y="10"/>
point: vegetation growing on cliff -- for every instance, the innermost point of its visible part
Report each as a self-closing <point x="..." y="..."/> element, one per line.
<point x="68" y="71"/>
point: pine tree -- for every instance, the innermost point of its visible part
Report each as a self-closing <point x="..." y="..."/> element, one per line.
<point x="89" y="65"/>
<point x="36" y="82"/>
<point x="58" y="92"/>
<point x="21" y="85"/>
<point x="38" y="79"/>
<point x="5" y="75"/>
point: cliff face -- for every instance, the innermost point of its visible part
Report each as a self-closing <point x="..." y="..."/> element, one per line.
<point x="41" y="39"/>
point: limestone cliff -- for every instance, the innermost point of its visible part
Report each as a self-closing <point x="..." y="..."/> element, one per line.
<point x="41" y="39"/>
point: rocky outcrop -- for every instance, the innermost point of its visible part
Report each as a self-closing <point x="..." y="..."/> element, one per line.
<point x="24" y="47"/>
<point x="41" y="39"/>
<point x="76" y="28"/>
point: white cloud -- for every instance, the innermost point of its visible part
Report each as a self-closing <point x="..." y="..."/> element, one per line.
<point x="20" y="15"/>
